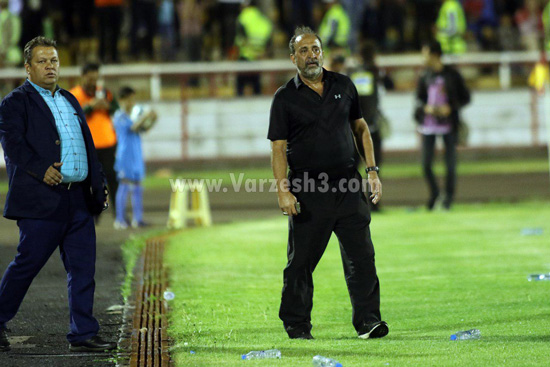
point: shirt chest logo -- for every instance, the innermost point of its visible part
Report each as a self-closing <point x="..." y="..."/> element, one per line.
<point x="337" y="96"/>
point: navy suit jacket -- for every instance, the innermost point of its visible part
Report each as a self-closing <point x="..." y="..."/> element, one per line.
<point x="31" y="144"/>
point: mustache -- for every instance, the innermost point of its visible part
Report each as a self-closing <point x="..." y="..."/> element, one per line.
<point x="316" y="62"/>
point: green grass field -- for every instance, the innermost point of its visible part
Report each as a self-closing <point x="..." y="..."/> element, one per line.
<point x="390" y="170"/>
<point x="440" y="272"/>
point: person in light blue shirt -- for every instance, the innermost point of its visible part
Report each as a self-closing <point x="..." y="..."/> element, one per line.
<point x="74" y="160"/>
<point x="130" y="121"/>
<point x="56" y="187"/>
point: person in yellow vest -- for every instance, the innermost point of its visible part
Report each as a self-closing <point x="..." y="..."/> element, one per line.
<point x="546" y="23"/>
<point x="335" y="27"/>
<point x="10" y="33"/>
<point x="253" y="38"/>
<point x="451" y="27"/>
<point x="99" y="105"/>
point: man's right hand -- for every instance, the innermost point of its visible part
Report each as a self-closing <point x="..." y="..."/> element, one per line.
<point x="287" y="203"/>
<point x="53" y="176"/>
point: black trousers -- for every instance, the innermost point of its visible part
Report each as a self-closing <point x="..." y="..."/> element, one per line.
<point x="106" y="157"/>
<point x="377" y="147"/>
<point x="252" y="79"/>
<point x="109" y="19"/>
<point x="227" y="13"/>
<point x="428" y="151"/>
<point x="347" y="215"/>
<point x="144" y="18"/>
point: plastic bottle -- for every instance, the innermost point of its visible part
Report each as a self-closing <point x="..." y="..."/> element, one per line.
<point x="100" y="90"/>
<point x="532" y="231"/>
<point x="535" y="277"/>
<point x="467" y="335"/>
<point x="169" y="295"/>
<point x="320" y="361"/>
<point x="262" y="354"/>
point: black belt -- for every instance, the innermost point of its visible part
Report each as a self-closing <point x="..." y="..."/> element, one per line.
<point x="348" y="172"/>
<point x="70" y="185"/>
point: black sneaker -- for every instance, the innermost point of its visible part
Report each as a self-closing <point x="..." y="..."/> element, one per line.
<point x="4" y="341"/>
<point x="373" y="330"/>
<point x="142" y="224"/>
<point x="300" y="332"/>
<point x="447" y="203"/>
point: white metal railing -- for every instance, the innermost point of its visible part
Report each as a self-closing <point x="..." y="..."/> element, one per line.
<point x="155" y="72"/>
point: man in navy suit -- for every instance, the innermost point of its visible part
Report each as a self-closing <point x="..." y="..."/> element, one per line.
<point x="56" y="186"/>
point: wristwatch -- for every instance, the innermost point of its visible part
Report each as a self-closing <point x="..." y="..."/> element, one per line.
<point x="370" y="169"/>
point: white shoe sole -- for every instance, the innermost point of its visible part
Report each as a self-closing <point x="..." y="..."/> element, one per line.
<point x="367" y="335"/>
<point x="118" y="226"/>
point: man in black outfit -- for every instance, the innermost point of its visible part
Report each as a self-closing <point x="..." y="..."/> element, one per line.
<point x="440" y="94"/>
<point x="315" y="125"/>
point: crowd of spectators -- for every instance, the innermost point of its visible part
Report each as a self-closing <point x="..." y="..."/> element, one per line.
<point x="112" y="31"/>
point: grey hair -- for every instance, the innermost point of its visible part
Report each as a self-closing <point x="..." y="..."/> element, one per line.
<point x="300" y="31"/>
<point x="37" y="42"/>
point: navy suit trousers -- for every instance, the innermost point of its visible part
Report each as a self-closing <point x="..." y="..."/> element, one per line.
<point x="71" y="228"/>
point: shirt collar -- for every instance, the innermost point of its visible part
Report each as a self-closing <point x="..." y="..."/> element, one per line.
<point x="298" y="81"/>
<point x="43" y="91"/>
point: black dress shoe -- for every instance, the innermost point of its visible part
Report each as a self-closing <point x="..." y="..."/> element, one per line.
<point x="94" y="344"/>
<point x="372" y="330"/>
<point x="4" y="341"/>
<point x="303" y="335"/>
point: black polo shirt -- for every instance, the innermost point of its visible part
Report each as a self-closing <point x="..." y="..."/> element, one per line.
<point x="317" y="129"/>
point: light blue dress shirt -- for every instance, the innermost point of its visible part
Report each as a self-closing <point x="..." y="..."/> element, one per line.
<point x="73" y="148"/>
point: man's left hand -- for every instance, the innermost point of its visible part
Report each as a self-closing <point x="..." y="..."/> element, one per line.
<point x="375" y="186"/>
